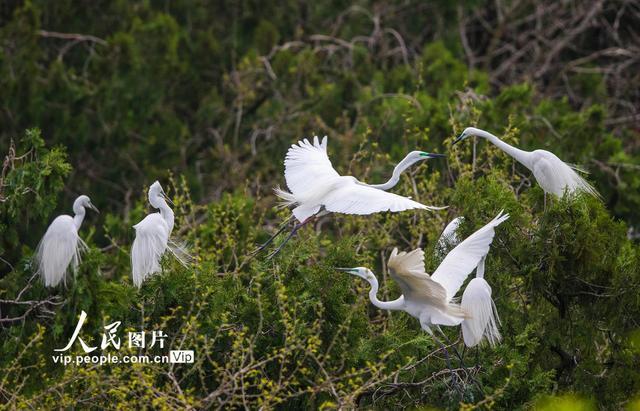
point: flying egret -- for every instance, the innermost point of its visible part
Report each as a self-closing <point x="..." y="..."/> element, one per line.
<point x="317" y="189"/>
<point x="430" y="298"/>
<point x="152" y="238"/>
<point x="61" y="246"/>
<point x="554" y="175"/>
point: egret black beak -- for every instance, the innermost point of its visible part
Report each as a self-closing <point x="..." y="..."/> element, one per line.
<point x="346" y="270"/>
<point x="94" y="208"/>
<point x="459" y="139"/>
<point x="435" y="155"/>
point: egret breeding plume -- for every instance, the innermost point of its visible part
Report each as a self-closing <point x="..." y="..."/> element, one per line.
<point x="554" y="175"/>
<point x="317" y="189"/>
<point x="61" y="246"/>
<point x="153" y="238"/>
<point x="430" y="298"/>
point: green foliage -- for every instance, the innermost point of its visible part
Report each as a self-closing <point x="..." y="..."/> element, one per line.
<point x="32" y="177"/>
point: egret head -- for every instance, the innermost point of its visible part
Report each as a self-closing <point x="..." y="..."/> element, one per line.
<point x="157" y="195"/>
<point x="468" y="132"/>
<point x="415" y="156"/>
<point x="362" y="272"/>
<point x="84" y="201"/>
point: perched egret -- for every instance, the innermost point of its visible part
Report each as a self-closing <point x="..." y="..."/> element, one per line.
<point x="430" y="299"/>
<point x="449" y="237"/>
<point x="153" y="238"/>
<point x="61" y="245"/>
<point x="317" y="189"/>
<point x="554" y="175"/>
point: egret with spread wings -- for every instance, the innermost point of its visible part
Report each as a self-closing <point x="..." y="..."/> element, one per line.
<point x="317" y="189"/>
<point x="61" y="246"/>
<point x="430" y="298"/>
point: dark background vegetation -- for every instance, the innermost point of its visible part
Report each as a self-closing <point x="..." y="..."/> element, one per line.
<point x="102" y="98"/>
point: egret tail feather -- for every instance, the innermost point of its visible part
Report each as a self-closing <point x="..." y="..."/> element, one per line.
<point x="287" y="199"/>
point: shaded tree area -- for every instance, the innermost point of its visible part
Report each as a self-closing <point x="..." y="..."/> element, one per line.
<point x="103" y="98"/>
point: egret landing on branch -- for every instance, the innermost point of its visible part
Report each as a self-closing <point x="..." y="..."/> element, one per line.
<point x="554" y="175"/>
<point x="60" y="248"/>
<point x="317" y="189"/>
<point x="430" y="298"/>
<point x="152" y="238"/>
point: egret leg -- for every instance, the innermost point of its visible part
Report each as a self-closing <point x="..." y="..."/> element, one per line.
<point x="273" y="237"/>
<point x="427" y="328"/>
<point x="545" y="201"/>
<point x="291" y="234"/>
<point x="455" y="350"/>
<point x="454" y="377"/>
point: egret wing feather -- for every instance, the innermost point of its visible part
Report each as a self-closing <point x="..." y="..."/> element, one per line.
<point x="152" y="236"/>
<point x="407" y="269"/>
<point x="59" y="250"/>
<point x="461" y="261"/>
<point x="484" y="321"/>
<point x="306" y="162"/>
<point x="354" y="198"/>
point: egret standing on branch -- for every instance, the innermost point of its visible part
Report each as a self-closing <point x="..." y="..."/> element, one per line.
<point x="152" y="238"/>
<point x="317" y="189"/>
<point x="430" y="299"/>
<point x="60" y="248"/>
<point x="554" y="175"/>
<point x="449" y="237"/>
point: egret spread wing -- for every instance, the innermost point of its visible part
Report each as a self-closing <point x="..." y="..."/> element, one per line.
<point x="461" y="261"/>
<point x="58" y="250"/>
<point x="305" y="163"/>
<point x="354" y="198"/>
<point x="407" y="269"/>
<point x="152" y="235"/>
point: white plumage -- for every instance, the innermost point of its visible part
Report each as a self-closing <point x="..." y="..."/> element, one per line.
<point x="554" y="175"/>
<point x="449" y="237"/>
<point x="60" y="248"/>
<point x="484" y="321"/>
<point x="317" y="189"/>
<point x="464" y="258"/>
<point x="430" y="299"/>
<point x="153" y="238"/>
<point x="314" y="185"/>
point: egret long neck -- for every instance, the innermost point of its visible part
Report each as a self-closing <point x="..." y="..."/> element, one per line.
<point x="395" y="177"/>
<point x="520" y="155"/>
<point x="385" y="305"/>
<point x="167" y="214"/>
<point x="79" y="212"/>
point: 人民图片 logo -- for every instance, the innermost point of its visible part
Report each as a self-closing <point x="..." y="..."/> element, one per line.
<point x="112" y="341"/>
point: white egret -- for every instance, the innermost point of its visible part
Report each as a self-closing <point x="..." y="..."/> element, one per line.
<point x="153" y="238"/>
<point x="554" y="175"/>
<point x="317" y="189"/>
<point x="61" y="246"/>
<point x="449" y="237"/>
<point x="430" y="299"/>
